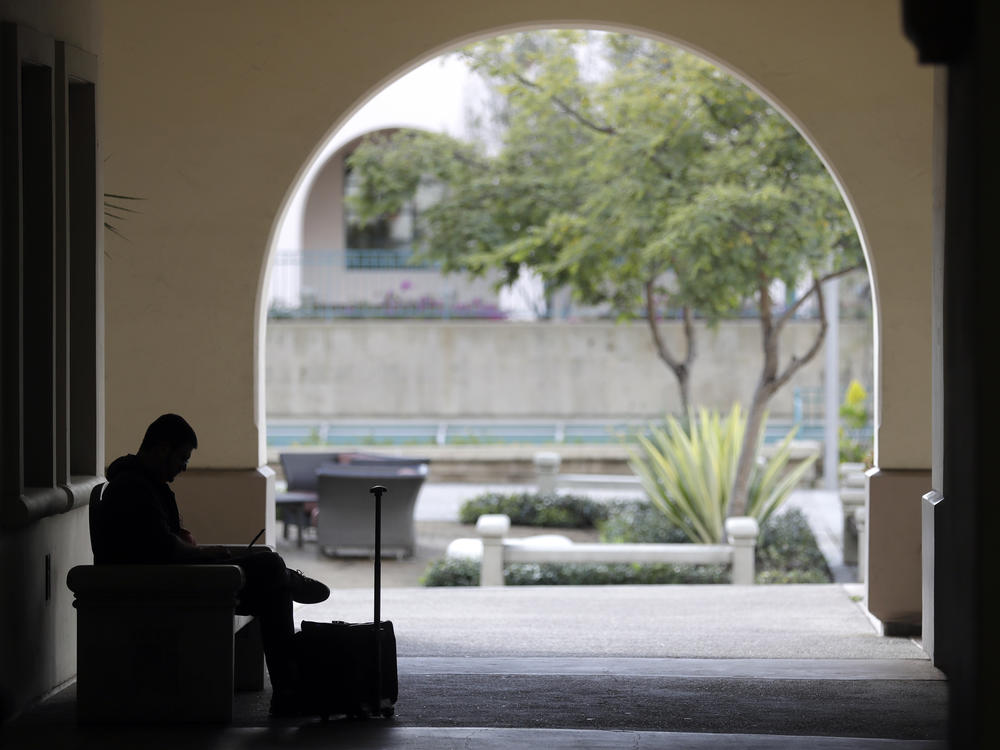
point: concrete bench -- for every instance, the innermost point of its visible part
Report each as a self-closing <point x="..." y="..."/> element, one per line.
<point x="162" y="643"/>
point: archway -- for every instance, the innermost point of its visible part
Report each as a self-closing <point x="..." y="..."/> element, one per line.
<point x="326" y="167"/>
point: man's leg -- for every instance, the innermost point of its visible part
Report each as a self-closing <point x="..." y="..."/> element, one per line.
<point x="268" y="593"/>
<point x="267" y="596"/>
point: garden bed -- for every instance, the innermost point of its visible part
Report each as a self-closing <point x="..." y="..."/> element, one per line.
<point x="786" y="551"/>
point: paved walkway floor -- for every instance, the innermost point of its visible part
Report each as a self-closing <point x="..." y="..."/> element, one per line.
<point x="679" y="667"/>
<point x="585" y="667"/>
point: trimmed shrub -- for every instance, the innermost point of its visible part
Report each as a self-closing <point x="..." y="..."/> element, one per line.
<point x="466" y="573"/>
<point x="636" y="521"/>
<point x="609" y="574"/>
<point x="533" y="509"/>
<point x="451" y="572"/>
<point x="787" y="551"/>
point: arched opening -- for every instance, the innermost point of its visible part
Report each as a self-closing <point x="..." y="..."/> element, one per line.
<point x="336" y="166"/>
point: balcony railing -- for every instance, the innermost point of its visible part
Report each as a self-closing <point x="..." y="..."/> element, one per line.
<point x="370" y="283"/>
<point x="390" y="258"/>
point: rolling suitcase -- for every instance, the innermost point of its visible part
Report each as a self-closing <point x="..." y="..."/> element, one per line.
<point x="350" y="668"/>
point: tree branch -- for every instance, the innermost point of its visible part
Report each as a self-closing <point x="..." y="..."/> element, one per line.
<point x="661" y="346"/>
<point x="566" y="108"/>
<point x="689" y="336"/>
<point x="797" y="363"/>
<point x="787" y="314"/>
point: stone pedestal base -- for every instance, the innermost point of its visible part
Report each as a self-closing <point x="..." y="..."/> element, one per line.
<point x="893" y="580"/>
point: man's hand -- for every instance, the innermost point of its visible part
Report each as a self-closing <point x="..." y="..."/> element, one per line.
<point x="215" y="552"/>
<point x="186" y="553"/>
<point x="187" y="536"/>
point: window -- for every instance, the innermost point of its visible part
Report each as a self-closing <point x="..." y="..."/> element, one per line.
<point x="49" y="277"/>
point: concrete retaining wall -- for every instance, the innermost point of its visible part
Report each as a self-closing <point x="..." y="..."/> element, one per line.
<point x="462" y="369"/>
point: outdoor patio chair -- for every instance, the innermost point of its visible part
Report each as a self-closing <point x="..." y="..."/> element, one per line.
<point x="347" y="511"/>
<point x="296" y="504"/>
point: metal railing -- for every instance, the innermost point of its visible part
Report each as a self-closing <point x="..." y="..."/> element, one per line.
<point x="370" y="283"/>
<point x="287" y="433"/>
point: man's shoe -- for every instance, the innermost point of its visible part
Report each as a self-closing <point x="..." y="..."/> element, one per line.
<point x="306" y="590"/>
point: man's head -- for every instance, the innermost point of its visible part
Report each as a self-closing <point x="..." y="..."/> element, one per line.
<point x="167" y="445"/>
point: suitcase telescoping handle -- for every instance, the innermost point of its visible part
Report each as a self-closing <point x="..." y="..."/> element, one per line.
<point x="378" y="490"/>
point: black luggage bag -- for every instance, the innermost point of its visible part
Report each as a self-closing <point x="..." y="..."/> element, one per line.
<point x="350" y="668"/>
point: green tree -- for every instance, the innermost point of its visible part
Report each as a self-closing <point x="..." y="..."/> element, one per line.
<point x="641" y="178"/>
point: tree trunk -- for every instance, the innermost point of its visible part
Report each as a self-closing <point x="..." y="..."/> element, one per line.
<point x="739" y="495"/>
<point x="684" y="388"/>
<point x="680" y="368"/>
<point x="771" y="379"/>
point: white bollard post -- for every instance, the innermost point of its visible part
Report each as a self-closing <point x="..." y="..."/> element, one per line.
<point x="492" y="528"/>
<point x="546" y="470"/>
<point x="742" y="531"/>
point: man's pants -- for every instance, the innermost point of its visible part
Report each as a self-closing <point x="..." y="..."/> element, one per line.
<point x="267" y="596"/>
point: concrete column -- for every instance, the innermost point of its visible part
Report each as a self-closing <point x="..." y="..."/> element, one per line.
<point x="741" y="532"/>
<point x="492" y="528"/>
<point x="893" y="579"/>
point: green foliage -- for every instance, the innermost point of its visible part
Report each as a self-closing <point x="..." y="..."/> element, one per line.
<point x="854" y="410"/>
<point x="786" y="549"/>
<point x="451" y="572"/>
<point x="466" y="573"/>
<point x="607" y="574"/>
<point x="533" y="509"/>
<point x="855" y="416"/>
<point x="688" y="472"/>
<point x="611" y="162"/>
<point x="786" y="553"/>
<point x="636" y="521"/>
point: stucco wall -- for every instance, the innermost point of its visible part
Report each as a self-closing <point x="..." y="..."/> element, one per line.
<point x="400" y="369"/>
<point x="212" y="111"/>
<point x="38" y="633"/>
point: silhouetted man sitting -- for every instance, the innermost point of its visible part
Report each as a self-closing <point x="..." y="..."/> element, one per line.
<point x="137" y="521"/>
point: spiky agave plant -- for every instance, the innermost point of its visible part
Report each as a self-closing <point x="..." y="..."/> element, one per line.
<point x="688" y="472"/>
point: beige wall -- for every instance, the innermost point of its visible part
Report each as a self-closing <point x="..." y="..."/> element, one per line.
<point x="212" y="110"/>
<point x="599" y="370"/>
